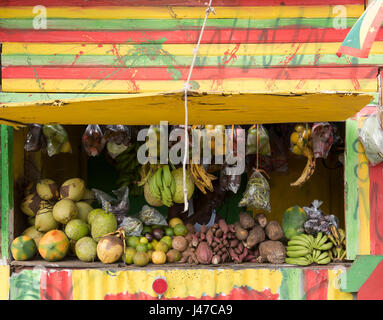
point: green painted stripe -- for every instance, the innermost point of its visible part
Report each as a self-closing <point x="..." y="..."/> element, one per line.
<point x="351" y="189"/>
<point x="292" y="284"/>
<point x="171" y="24"/>
<point x="166" y="60"/>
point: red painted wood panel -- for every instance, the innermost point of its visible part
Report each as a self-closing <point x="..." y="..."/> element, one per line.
<point x="96" y="3"/>
<point x="56" y="285"/>
<point x="200" y="73"/>
<point x="372" y="289"/>
<point x="182" y="36"/>
<point x="316" y="284"/>
<point x="376" y="209"/>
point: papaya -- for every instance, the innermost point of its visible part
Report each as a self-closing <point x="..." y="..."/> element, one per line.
<point x="54" y="245"/>
<point x="293" y="221"/>
<point x="23" y="248"/>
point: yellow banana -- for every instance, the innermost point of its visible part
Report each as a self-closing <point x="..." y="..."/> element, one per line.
<point x="308" y="170"/>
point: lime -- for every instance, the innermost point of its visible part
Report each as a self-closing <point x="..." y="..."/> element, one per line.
<point x="144" y="240"/>
<point x="150" y="246"/>
<point x="169" y="232"/>
<point x="133" y="241"/>
<point x="154" y="243"/>
<point x="141" y="247"/>
<point x="167" y="240"/>
<point x="129" y="254"/>
<point x="147" y="229"/>
<point x="180" y="230"/>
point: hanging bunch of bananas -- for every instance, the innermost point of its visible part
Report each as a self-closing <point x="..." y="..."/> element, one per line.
<point x="338" y="238"/>
<point x="127" y="166"/>
<point x="306" y="249"/>
<point x="201" y="178"/>
<point x="146" y="172"/>
<point x="162" y="185"/>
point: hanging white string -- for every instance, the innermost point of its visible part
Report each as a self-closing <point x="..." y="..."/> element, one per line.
<point x="187" y="87"/>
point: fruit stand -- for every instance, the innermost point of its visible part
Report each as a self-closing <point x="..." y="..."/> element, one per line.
<point x="83" y="219"/>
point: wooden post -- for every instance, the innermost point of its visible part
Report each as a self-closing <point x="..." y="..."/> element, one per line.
<point x="6" y="187"/>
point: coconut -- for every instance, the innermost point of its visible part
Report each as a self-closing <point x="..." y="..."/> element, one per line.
<point x="93" y="214"/>
<point x="31" y="204"/>
<point x="86" y="249"/>
<point x="173" y="256"/>
<point x="88" y="196"/>
<point x="34" y="234"/>
<point x="47" y="189"/>
<point x="76" y="229"/>
<point x="103" y="223"/>
<point x="83" y="210"/>
<point x="150" y="199"/>
<point x="65" y="210"/>
<point x="110" y="249"/>
<point x="178" y="196"/>
<point x="180" y="243"/>
<point x="73" y="189"/>
<point x="44" y="219"/>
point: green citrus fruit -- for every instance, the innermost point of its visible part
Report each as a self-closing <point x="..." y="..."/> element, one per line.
<point x="180" y="230"/>
<point x="133" y="241"/>
<point x="141" y="247"/>
<point x="169" y="232"/>
<point x="167" y="240"/>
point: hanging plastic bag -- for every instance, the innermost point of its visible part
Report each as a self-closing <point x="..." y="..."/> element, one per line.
<point x="92" y="140"/>
<point x="229" y="182"/>
<point x="317" y="221"/>
<point x="263" y="141"/>
<point x="35" y="140"/>
<point x="57" y="139"/>
<point x="257" y="193"/>
<point x="117" y="138"/>
<point x="151" y="216"/>
<point x="119" y="205"/>
<point x="371" y="136"/>
<point x="300" y="139"/>
<point x="132" y="226"/>
<point x="322" y="139"/>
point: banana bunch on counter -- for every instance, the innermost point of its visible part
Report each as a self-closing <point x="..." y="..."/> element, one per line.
<point x="338" y="238"/>
<point x="162" y="185"/>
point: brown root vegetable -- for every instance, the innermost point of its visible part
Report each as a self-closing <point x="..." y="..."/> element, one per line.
<point x="225" y="243"/>
<point x="203" y="229"/>
<point x="216" y="259"/>
<point x="250" y="257"/>
<point x="272" y="251"/>
<point x="214" y="244"/>
<point x="233" y="255"/>
<point x="234" y="243"/>
<point x="195" y="240"/>
<point x="187" y="254"/>
<point x="215" y="226"/>
<point x="237" y="251"/>
<point x="261" y="219"/>
<point x="241" y="234"/>
<point x="218" y="233"/>
<point x="215" y="249"/>
<point x="274" y="230"/>
<point x="204" y="253"/>
<point x="217" y="240"/>
<point x="243" y="254"/>
<point x="209" y="237"/>
<point x="179" y="243"/>
<point x="225" y="257"/>
<point x="198" y="234"/>
<point x="189" y="237"/>
<point x="256" y="235"/>
<point x="231" y="228"/>
<point x="202" y="236"/>
<point x="190" y="228"/>
<point x="223" y="225"/>
<point x="246" y="220"/>
<point x="240" y="246"/>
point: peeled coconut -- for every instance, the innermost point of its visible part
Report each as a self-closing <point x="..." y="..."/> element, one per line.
<point x="150" y="199"/>
<point x="76" y="229"/>
<point x="110" y="249"/>
<point x="178" y="196"/>
<point x="47" y="189"/>
<point x="34" y="234"/>
<point x="86" y="249"/>
<point x="73" y="189"/>
<point x="31" y="204"/>
<point x="93" y="214"/>
<point x="103" y="223"/>
<point x="65" y="210"/>
<point x="44" y="219"/>
<point x="83" y="210"/>
<point x="88" y="196"/>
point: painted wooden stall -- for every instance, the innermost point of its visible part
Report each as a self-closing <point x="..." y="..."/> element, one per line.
<point x="106" y="50"/>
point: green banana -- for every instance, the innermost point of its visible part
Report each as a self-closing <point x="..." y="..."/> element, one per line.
<point x="310" y="239"/>
<point x="297" y="254"/>
<point x="326" y="246"/>
<point x="154" y="190"/>
<point x="322" y="241"/>
<point x="316" y="253"/>
<point x="309" y="257"/>
<point x="173" y="186"/>
<point x="166" y="176"/>
<point x="298" y="261"/>
<point x="318" y="238"/>
<point x="301" y="237"/>
<point x="326" y="260"/>
<point x="323" y="255"/>
<point x="296" y="248"/>
<point x="298" y="242"/>
<point x="158" y="178"/>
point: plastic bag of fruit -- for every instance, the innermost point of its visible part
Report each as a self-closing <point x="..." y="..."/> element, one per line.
<point x="257" y="193"/>
<point x="117" y="139"/>
<point x="322" y="139"/>
<point x="263" y="141"/>
<point x="229" y="182"/>
<point x="371" y="136"/>
<point x="300" y="138"/>
<point x="35" y="140"/>
<point x="57" y="139"/>
<point x="132" y="226"/>
<point x="92" y="140"/>
<point x="151" y="216"/>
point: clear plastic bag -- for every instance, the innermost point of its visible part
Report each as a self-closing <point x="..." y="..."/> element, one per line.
<point x="117" y="138"/>
<point x="300" y="138"/>
<point x="132" y="226"/>
<point x="92" y="140"/>
<point x="257" y="193"/>
<point x="151" y="216"/>
<point x="35" y="140"/>
<point x="229" y="182"/>
<point x="118" y="205"/>
<point x="322" y="139"/>
<point x="317" y="221"/>
<point x="371" y="136"/>
<point x="263" y="141"/>
<point x="57" y="139"/>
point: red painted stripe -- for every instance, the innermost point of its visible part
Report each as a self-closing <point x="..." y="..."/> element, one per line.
<point x="182" y="36"/>
<point x="181" y="73"/>
<point x="226" y="3"/>
<point x="372" y="289"/>
<point x="376" y="209"/>
<point x="316" y="284"/>
<point x="56" y="285"/>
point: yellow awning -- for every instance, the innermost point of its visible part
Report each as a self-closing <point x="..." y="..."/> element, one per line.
<point x="204" y="108"/>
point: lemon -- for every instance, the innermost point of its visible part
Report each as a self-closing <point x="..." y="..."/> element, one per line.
<point x="294" y="137"/>
<point x="174" y="221"/>
<point x="144" y="240"/>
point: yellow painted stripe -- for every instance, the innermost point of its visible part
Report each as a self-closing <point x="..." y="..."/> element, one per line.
<point x="231" y="85"/>
<point x="181" y="49"/>
<point x="183" y="12"/>
<point x="364" y="197"/>
<point x="4" y="282"/>
<point x="333" y="289"/>
<point x="96" y="284"/>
